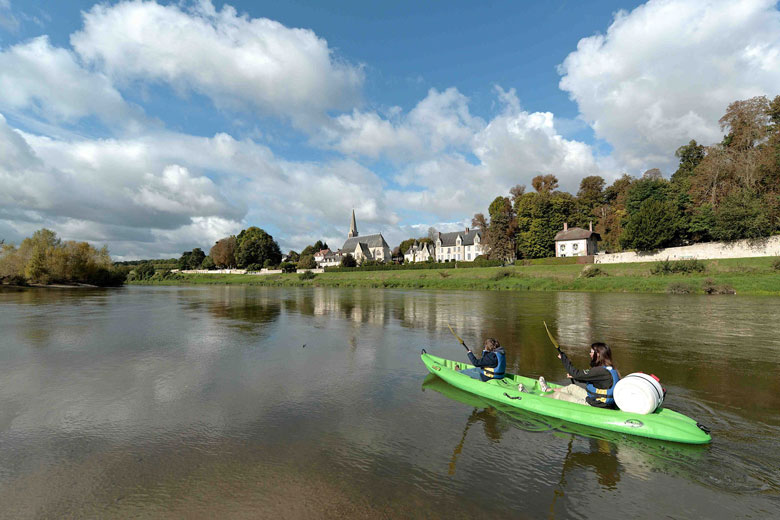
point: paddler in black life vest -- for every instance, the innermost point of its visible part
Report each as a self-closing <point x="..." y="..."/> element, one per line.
<point x="600" y="379"/>
<point x="492" y="364"/>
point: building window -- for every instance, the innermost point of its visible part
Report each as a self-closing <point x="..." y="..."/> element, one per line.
<point x="574" y="246"/>
<point x="563" y="247"/>
<point x="468" y="256"/>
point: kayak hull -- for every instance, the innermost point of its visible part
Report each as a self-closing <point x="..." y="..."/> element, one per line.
<point x="663" y="424"/>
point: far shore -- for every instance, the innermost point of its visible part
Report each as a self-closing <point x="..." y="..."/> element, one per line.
<point x="751" y="276"/>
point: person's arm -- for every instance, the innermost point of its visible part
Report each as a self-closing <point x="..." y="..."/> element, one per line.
<point x="585" y="376"/>
<point x="489" y="359"/>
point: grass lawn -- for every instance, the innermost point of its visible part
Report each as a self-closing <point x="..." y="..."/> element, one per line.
<point x="743" y="275"/>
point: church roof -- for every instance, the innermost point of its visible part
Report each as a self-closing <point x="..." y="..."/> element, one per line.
<point x="369" y="240"/>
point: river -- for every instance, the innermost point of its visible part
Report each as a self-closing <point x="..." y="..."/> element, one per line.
<point x="238" y="401"/>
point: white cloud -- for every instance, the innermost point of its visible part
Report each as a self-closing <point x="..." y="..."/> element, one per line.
<point x="8" y="21"/>
<point x="233" y="59"/>
<point x="665" y="73"/>
<point x="48" y="82"/>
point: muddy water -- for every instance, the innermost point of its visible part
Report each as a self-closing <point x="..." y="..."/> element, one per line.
<point x="197" y="402"/>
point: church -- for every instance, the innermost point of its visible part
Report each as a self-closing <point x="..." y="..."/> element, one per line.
<point x="369" y="247"/>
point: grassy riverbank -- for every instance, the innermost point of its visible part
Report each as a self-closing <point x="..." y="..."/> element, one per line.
<point x="744" y="275"/>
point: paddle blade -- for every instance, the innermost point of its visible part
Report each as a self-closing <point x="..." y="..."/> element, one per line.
<point x="453" y="333"/>
<point x="549" y="334"/>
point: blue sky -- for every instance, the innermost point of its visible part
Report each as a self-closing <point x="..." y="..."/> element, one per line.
<point x="158" y="127"/>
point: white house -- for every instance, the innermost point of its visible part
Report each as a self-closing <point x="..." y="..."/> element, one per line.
<point x="576" y="241"/>
<point x="459" y="245"/>
<point x="370" y="247"/>
<point x="419" y="253"/>
<point x="327" y="258"/>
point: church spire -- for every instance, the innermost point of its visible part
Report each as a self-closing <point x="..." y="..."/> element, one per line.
<point x="353" y="232"/>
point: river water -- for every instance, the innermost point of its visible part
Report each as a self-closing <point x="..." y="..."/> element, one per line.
<point x="236" y="401"/>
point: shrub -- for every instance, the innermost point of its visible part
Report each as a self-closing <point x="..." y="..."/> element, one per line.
<point x="776" y="264"/>
<point x="348" y="261"/>
<point x="709" y="287"/>
<point x="444" y="274"/>
<point x="679" y="288"/>
<point x="268" y="264"/>
<point x="590" y="271"/>
<point x="501" y="274"/>
<point x="144" y="271"/>
<point x="307" y="275"/>
<point x="287" y="267"/>
<point x="254" y="267"/>
<point x="678" y="266"/>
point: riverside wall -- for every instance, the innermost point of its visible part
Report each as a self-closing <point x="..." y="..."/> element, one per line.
<point x="244" y="271"/>
<point x="705" y="251"/>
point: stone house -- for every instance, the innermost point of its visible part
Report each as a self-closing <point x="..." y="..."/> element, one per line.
<point x="459" y="245"/>
<point x="419" y="253"/>
<point x="576" y="241"/>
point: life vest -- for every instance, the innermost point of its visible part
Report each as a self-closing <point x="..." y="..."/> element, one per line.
<point x="499" y="370"/>
<point x="604" y="395"/>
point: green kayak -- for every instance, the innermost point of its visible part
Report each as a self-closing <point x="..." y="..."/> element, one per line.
<point x="662" y="424"/>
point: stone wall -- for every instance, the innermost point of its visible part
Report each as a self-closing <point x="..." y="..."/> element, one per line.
<point x="708" y="250"/>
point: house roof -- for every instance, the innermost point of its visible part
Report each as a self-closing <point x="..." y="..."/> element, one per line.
<point x="369" y="240"/>
<point x="449" y="239"/>
<point x="419" y="247"/>
<point x="576" y="233"/>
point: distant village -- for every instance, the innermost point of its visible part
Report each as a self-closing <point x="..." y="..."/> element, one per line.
<point x="454" y="246"/>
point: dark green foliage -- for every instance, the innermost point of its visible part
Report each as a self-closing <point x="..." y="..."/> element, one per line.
<point x="501" y="230"/>
<point x="144" y="271"/>
<point x="255" y="246"/>
<point x="254" y="267"/>
<point x="348" y="261"/>
<point x="741" y="215"/>
<point x="268" y="264"/>
<point x="287" y="267"/>
<point x="184" y="260"/>
<point x="307" y="262"/>
<point x="196" y="258"/>
<point x="307" y="275"/>
<point x="293" y="256"/>
<point x="312" y="250"/>
<point x="207" y="263"/>
<point x="678" y="267"/>
<point x="540" y="216"/>
<point x="653" y="226"/>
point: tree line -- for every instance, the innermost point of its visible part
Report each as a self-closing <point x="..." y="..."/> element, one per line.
<point x="725" y="191"/>
<point x="45" y="259"/>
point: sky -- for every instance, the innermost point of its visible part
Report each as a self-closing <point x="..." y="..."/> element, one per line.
<point x="155" y="127"/>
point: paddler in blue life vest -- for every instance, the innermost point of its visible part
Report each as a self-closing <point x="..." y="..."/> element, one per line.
<point x="492" y="364"/>
<point x="600" y="379"/>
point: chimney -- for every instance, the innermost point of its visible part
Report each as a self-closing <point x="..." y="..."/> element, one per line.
<point x="565" y="226"/>
<point x="467" y="231"/>
<point x="590" y="225"/>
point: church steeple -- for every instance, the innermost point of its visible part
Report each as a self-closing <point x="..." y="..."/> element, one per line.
<point x="353" y="232"/>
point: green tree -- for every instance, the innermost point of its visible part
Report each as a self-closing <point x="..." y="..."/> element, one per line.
<point x="293" y="256"/>
<point x="196" y="258"/>
<point x="255" y="246"/>
<point x="307" y="262"/>
<point x="348" y="261"/>
<point x="144" y="271"/>
<point x="741" y="215"/>
<point x="184" y="260"/>
<point x="502" y="229"/>
<point x="652" y="226"/>
<point x="208" y="263"/>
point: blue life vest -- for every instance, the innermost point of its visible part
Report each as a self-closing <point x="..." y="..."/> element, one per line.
<point x="499" y="371"/>
<point x="604" y="395"/>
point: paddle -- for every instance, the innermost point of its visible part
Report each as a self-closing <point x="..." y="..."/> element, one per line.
<point x="460" y="340"/>
<point x="555" y="343"/>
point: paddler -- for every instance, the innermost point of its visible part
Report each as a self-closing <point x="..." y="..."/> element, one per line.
<point x="600" y="379"/>
<point x="492" y="364"/>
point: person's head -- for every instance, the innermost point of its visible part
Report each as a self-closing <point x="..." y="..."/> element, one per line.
<point x="600" y="355"/>
<point x="491" y="344"/>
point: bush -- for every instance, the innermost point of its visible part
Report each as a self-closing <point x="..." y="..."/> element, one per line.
<point x="709" y="287"/>
<point x="307" y="275"/>
<point x="348" y="261"/>
<point x="776" y="264"/>
<point x="591" y="271"/>
<point x="678" y="266"/>
<point x="268" y="264"/>
<point x="679" y="288"/>
<point x="307" y="262"/>
<point x="501" y="274"/>
<point x="287" y="267"/>
<point x="254" y="267"/>
<point x="444" y="274"/>
<point x="144" y="271"/>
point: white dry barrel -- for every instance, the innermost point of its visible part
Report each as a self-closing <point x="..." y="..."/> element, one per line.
<point x="638" y="393"/>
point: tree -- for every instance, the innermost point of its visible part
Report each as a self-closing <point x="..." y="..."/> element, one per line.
<point x="501" y="229"/>
<point x="184" y="260"/>
<point x="224" y="252"/>
<point x="196" y="258"/>
<point x="307" y="262"/>
<point x="144" y="271"/>
<point x="545" y="183"/>
<point x="741" y="215"/>
<point x="293" y="256"/>
<point x="315" y="248"/>
<point x="208" y="263"/>
<point x="348" y="261"/>
<point x="653" y="174"/>
<point x="480" y="222"/>
<point x="432" y="234"/>
<point x="539" y="216"/>
<point x="255" y="246"/>
<point x="652" y="226"/>
<point x="517" y="191"/>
